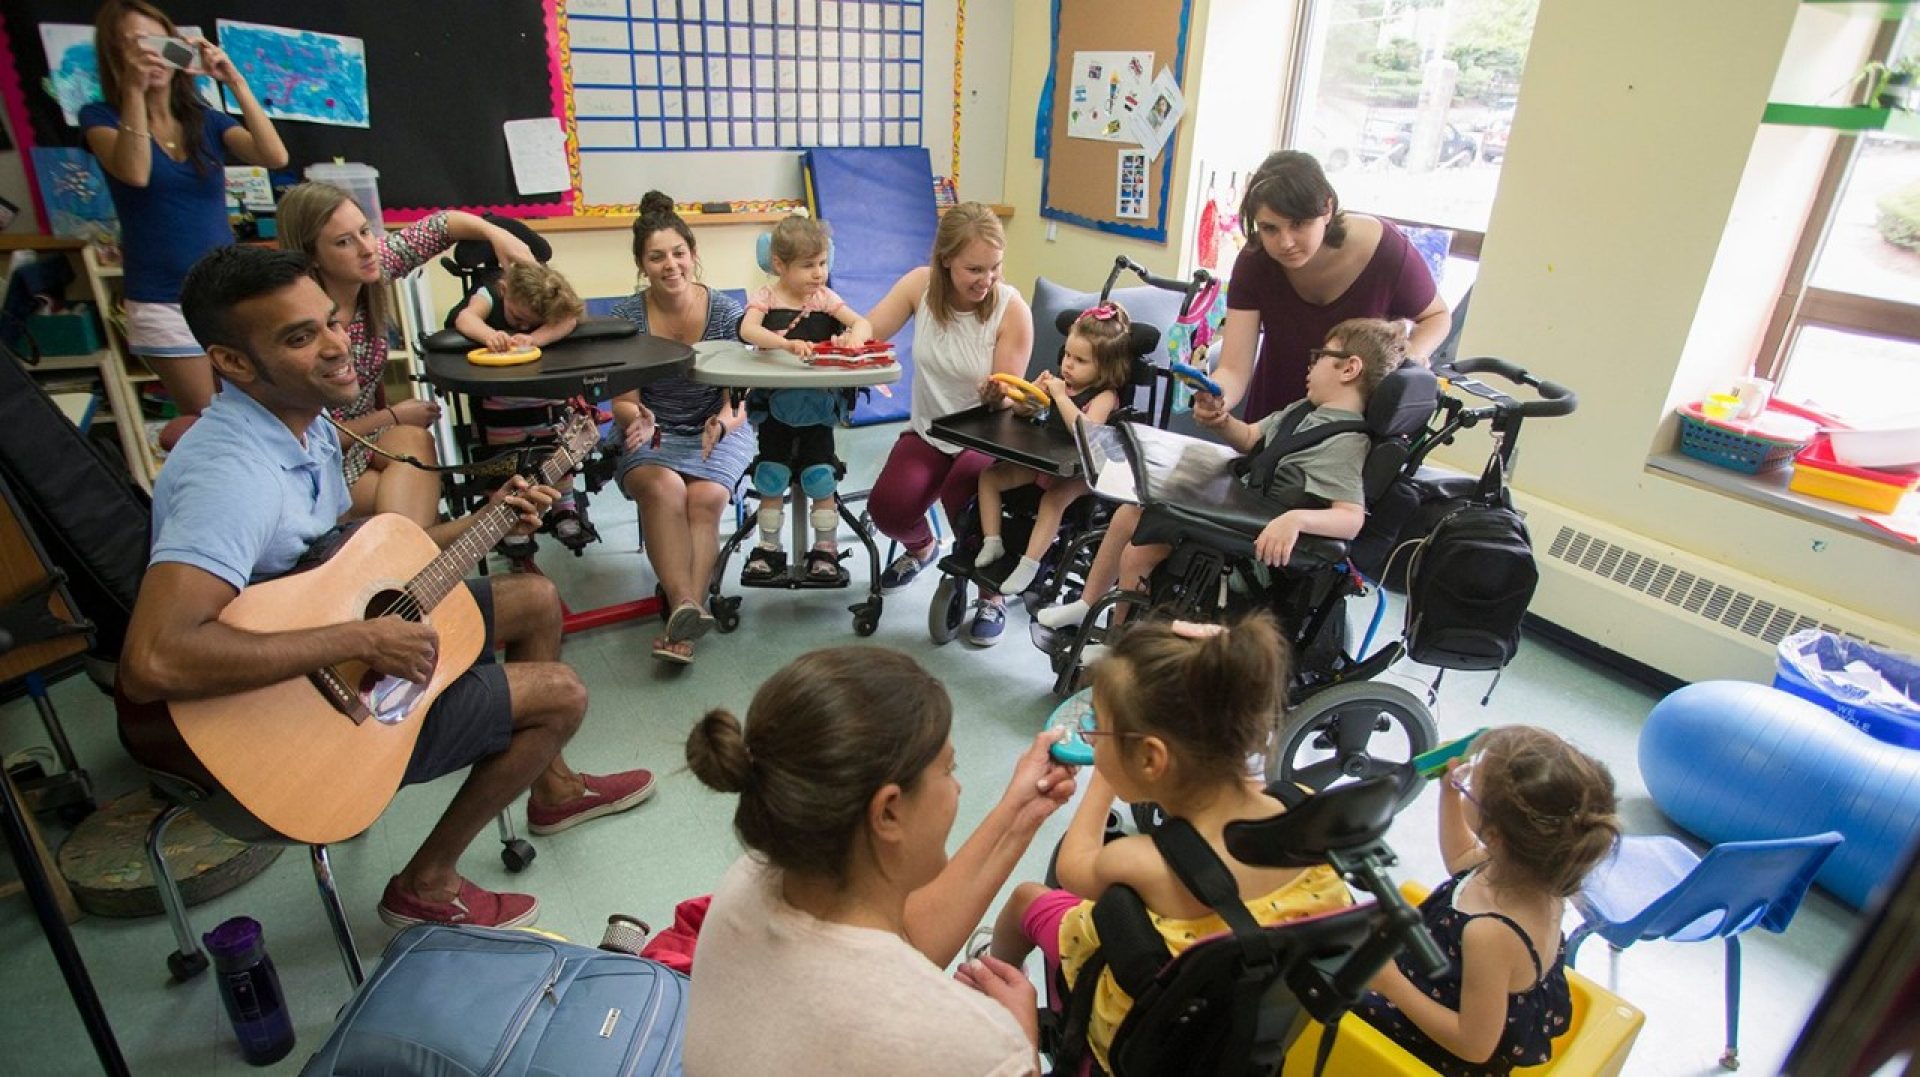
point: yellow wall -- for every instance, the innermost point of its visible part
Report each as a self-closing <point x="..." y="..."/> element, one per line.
<point x="1635" y="127"/>
<point x="1081" y="257"/>
<point x="601" y="263"/>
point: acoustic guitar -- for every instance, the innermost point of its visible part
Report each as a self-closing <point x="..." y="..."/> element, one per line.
<point x="316" y="759"/>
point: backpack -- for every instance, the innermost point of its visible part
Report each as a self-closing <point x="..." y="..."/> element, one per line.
<point x="1469" y="583"/>
<point x="467" y="1000"/>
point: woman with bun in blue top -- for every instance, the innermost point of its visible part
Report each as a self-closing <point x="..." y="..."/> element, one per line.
<point x="163" y="149"/>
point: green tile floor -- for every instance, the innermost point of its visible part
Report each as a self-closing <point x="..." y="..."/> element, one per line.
<point x="677" y="844"/>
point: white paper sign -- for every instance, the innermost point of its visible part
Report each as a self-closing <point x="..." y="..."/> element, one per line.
<point x="1104" y="91"/>
<point x="538" y="149"/>
<point x="1159" y="114"/>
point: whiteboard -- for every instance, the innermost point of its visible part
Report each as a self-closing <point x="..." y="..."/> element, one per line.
<point x="713" y="100"/>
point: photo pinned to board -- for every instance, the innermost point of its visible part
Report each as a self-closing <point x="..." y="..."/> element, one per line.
<point x="1130" y="201"/>
<point x="1153" y="125"/>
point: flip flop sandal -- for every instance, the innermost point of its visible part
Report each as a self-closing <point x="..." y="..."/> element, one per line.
<point x="687" y="624"/>
<point x="663" y="650"/>
<point x="764" y="566"/>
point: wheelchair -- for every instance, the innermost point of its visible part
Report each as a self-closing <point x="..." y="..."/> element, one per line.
<point x="1046" y="446"/>
<point x="1234" y="1004"/>
<point x="1189" y="499"/>
<point x="513" y="424"/>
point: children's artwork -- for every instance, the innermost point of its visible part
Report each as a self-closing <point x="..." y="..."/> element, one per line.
<point x="300" y="74"/>
<point x="1131" y="200"/>
<point x="73" y="71"/>
<point x="249" y="188"/>
<point x="74" y="191"/>
<point x="1154" y="124"/>
<point x="1107" y="88"/>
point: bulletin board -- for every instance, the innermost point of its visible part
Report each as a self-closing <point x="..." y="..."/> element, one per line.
<point x="1081" y="178"/>
<point x="440" y="82"/>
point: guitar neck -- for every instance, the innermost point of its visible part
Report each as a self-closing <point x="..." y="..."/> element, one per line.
<point x="489" y="526"/>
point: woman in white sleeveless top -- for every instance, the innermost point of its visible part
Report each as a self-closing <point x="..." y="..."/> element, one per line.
<point x="968" y="324"/>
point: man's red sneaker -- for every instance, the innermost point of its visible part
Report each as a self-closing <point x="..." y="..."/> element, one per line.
<point x="605" y="795"/>
<point x="474" y="906"/>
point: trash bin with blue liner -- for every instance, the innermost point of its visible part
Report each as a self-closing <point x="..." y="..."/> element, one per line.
<point x="1874" y="689"/>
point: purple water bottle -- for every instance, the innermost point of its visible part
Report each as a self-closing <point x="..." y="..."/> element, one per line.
<point x="251" y="990"/>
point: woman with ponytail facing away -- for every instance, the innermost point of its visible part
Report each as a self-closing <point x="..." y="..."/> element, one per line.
<point x="823" y="949"/>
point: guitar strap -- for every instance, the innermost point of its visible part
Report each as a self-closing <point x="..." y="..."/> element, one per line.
<point x="515" y="460"/>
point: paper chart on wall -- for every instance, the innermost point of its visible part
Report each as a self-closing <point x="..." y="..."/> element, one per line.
<point x="1130" y="198"/>
<point x="1153" y="123"/>
<point x="300" y="74"/>
<point x="1105" y="90"/>
<point x="73" y="71"/>
<point x="538" y="151"/>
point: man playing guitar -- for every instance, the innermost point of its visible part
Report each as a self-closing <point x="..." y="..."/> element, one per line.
<point x="254" y="483"/>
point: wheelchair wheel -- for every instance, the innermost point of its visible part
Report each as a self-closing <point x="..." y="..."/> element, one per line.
<point x="1354" y="730"/>
<point x="948" y="610"/>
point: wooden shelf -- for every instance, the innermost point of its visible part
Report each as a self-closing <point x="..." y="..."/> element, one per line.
<point x="623" y="221"/>
<point x="1850" y="118"/>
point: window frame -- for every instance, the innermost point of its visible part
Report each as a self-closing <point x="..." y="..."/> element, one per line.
<point x="1802" y="304"/>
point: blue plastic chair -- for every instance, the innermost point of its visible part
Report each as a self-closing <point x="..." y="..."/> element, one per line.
<point x="1654" y="887"/>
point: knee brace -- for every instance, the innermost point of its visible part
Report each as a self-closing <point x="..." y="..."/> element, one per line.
<point x="771" y="479"/>
<point x="818" y="481"/>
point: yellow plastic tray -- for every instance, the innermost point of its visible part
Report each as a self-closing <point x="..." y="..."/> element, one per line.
<point x="1846" y="489"/>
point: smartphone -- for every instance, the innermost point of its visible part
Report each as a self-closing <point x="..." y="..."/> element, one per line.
<point x="1433" y="764"/>
<point x="174" y="52"/>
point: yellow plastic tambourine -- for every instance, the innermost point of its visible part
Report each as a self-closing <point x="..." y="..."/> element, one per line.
<point x="1018" y="387"/>
<point x="489" y="357"/>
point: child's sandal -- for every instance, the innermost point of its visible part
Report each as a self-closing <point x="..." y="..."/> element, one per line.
<point x="764" y="566"/>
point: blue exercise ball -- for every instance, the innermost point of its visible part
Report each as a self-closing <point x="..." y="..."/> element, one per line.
<point x="1731" y="761"/>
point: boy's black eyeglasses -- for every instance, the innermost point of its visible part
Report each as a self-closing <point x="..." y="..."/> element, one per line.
<point x="1314" y="355"/>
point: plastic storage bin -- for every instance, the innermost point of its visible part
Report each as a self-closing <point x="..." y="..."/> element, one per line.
<point x="360" y="181"/>
<point x="1817" y="474"/>
<point x="75" y="331"/>
<point x="1895" y="444"/>
<point x="1750" y="447"/>
<point x="1814" y="665"/>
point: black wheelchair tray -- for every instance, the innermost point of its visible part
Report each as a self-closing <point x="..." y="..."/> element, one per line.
<point x="453" y="340"/>
<point x="1186" y="486"/>
<point x="1003" y="435"/>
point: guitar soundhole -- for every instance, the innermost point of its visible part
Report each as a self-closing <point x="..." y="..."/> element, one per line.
<point x="389" y="699"/>
<point x="393" y="602"/>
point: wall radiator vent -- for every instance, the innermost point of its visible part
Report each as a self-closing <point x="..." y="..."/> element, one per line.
<point x="1687" y="591"/>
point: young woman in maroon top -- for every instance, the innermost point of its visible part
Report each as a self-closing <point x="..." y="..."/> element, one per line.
<point x="1311" y="267"/>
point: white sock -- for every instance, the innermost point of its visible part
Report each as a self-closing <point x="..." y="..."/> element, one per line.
<point x="991" y="550"/>
<point x="1021" y="577"/>
<point x="826" y="525"/>
<point x="772" y="518"/>
<point x="1072" y="613"/>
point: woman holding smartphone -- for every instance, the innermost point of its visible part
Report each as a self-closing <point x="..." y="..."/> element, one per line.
<point x="163" y="149"/>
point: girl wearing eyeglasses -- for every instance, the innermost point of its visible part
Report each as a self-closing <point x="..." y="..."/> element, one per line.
<point x="1178" y="708"/>
<point x="1522" y="822"/>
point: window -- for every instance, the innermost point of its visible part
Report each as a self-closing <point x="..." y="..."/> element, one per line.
<point x="1408" y="102"/>
<point x="1846" y="332"/>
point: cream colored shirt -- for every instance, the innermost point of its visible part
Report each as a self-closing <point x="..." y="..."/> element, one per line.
<point x="950" y="361"/>
<point x="777" y="991"/>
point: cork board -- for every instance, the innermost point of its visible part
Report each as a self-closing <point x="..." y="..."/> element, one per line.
<point x="1080" y="178"/>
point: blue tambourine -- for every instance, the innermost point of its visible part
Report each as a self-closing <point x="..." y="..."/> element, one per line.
<point x="1073" y="714"/>
<point x="1195" y="377"/>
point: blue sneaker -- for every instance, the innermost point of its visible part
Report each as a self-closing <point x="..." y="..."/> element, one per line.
<point x="904" y="569"/>
<point x="989" y="622"/>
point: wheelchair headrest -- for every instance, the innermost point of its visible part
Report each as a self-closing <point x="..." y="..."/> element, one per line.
<point x="1403" y="402"/>
<point x="763" y="253"/>
<point x="1342" y="817"/>
<point x="471" y="254"/>
<point x="1145" y="339"/>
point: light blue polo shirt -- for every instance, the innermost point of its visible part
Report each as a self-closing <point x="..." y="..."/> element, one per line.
<point x="241" y="497"/>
